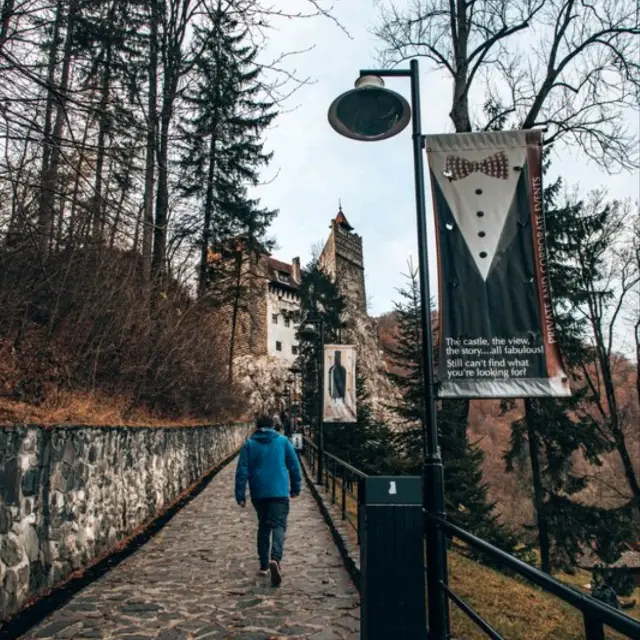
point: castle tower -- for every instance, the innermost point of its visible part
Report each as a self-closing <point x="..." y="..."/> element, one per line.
<point x="342" y="259"/>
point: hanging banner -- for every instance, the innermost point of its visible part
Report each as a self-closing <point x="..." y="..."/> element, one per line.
<point x="497" y="336"/>
<point x="339" y="389"/>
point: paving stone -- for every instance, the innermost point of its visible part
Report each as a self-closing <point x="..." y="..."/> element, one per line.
<point x="327" y="634"/>
<point x="52" y="629"/>
<point x="197" y="580"/>
<point x="171" y="634"/>
<point x="209" y="633"/>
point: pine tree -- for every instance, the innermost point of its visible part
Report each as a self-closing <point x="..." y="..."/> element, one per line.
<point x="321" y="301"/>
<point x="553" y="431"/>
<point x="365" y="444"/>
<point x="466" y="497"/>
<point x="223" y="149"/>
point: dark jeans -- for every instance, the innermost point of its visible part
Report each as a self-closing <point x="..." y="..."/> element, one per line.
<point x="272" y="518"/>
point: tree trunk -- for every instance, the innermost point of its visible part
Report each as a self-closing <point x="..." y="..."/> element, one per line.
<point x="604" y="360"/>
<point x="98" y="209"/>
<point x="149" y="174"/>
<point x="207" y="219"/>
<point x="459" y="113"/>
<point x="538" y="489"/>
<point x="73" y="233"/>
<point x="637" y="335"/>
<point x="50" y="177"/>
<point x="234" y="319"/>
<point x="627" y="465"/>
<point x="16" y="231"/>
<point x="118" y="214"/>
<point x="7" y="12"/>
<point x="47" y="144"/>
<point x="162" y="198"/>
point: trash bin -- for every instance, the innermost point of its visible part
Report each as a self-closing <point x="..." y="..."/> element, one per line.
<point x="392" y="575"/>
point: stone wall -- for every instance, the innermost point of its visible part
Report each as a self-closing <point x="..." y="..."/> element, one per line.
<point x="70" y="494"/>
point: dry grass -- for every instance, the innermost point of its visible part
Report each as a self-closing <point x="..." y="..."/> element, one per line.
<point x="514" y="608"/>
<point x="91" y="409"/>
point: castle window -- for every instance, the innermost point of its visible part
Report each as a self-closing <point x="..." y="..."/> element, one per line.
<point x="274" y="318"/>
<point x="287" y="322"/>
<point x="283" y="276"/>
<point x="278" y="345"/>
<point x="294" y="349"/>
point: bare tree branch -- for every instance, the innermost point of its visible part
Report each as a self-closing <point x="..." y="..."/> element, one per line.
<point x="570" y="66"/>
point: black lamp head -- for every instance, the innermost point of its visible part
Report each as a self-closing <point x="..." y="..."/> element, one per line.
<point x="370" y="112"/>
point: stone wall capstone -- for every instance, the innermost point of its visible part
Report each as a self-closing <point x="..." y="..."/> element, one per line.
<point x="70" y="494"/>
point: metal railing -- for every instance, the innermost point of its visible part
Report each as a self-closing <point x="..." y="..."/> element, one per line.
<point x="596" y="614"/>
<point x="341" y="480"/>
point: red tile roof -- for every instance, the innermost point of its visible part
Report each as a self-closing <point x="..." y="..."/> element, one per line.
<point x="274" y="266"/>
<point x="277" y="265"/>
<point x="342" y="220"/>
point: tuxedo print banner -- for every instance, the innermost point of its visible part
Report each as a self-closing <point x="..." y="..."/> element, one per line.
<point x="339" y="390"/>
<point x="497" y="336"/>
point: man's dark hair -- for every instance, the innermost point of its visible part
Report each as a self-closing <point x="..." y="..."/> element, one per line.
<point x="264" y="422"/>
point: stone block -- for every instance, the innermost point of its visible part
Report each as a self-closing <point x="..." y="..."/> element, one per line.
<point x="68" y="455"/>
<point x="37" y="576"/>
<point x="10" y="481"/>
<point x="31" y="543"/>
<point x="6" y="520"/>
<point x="30" y="481"/>
<point x="9" y="591"/>
<point x="10" y="552"/>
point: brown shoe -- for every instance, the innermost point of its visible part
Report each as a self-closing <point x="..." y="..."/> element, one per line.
<point x="276" y="576"/>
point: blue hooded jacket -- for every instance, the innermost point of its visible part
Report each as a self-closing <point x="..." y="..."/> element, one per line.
<point x="270" y="464"/>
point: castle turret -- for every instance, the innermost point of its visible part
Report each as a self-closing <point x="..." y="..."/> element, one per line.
<point x="342" y="259"/>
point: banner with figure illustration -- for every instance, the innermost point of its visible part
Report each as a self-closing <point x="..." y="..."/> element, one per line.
<point x="339" y="389"/>
<point x="497" y="335"/>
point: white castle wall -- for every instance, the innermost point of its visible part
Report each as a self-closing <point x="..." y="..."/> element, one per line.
<point x="282" y="304"/>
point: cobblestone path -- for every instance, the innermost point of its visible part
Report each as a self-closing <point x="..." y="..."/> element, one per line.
<point x="197" y="579"/>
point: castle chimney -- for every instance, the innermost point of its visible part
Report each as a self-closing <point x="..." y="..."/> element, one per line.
<point x="295" y="263"/>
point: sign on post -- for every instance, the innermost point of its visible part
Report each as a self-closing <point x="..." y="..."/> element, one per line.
<point x="339" y="389"/>
<point x="296" y="441"/>
<point x="497" y="335"/>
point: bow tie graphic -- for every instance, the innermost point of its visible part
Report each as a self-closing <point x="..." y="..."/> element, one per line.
<point x="495" y="166"/>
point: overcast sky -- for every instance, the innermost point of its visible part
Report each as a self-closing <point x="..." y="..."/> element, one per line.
<point x="374" y="181"/>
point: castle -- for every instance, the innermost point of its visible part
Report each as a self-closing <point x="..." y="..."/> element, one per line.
<point x="342" y="259"/>
<point x="262" y="334"/>
<point x="267" y="324"/>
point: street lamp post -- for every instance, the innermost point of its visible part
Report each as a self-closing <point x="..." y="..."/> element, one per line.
<point x="371" y="112"/>
<point x="286" y="423"/>
<point x="296" y="371"/>
<point x="312" y="332"/>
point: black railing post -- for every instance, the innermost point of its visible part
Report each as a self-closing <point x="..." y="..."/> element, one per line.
<point x="333" y="484"/>
<point x="344" y="493"/>
<point x="593" y="629"/>
<point x="320" y="435"/>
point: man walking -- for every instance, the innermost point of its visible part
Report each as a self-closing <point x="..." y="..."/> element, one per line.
<point x="270" y="464"/>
